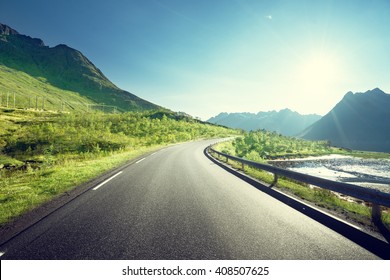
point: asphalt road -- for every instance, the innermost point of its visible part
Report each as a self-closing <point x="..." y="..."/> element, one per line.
<point x="177" y="204"/>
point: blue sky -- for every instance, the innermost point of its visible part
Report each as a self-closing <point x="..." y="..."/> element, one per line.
<point x="205" y="57"/>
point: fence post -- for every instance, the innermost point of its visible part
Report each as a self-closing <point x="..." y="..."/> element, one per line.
<point x="376" y="214"/>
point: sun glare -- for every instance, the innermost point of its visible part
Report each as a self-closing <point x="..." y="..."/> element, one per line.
<point x="318" y="70"/>
<point x="315" y="79"/>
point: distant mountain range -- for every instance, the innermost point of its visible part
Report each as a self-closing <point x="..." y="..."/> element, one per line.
<point x="285" y="121"/>
<point x="28" y="66"/>
<point x="360" y="121"/>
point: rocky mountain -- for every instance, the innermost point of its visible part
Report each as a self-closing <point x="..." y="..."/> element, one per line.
<point x="64" y="68"/>
<point x="359" y="121"/>
<point x="285" y="121"/>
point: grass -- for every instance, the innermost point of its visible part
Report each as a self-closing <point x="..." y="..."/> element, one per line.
<point x="30" y="93"/>
<point x="358" y="212"/>
<point x="27" y="189"/>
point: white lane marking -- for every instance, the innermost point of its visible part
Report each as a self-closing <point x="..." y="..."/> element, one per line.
<point x="154" y="153"/>
<point x="109" y="179"/>
<point x="140" y="160"/>
<point x="2" y="253"/>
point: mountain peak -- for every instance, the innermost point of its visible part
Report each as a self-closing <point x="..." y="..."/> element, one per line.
<point x="348" y="95"/>
<point x="6" y="30"/>
<point x="375" y="91"/>
<point x="359" y="121"/>
<point x="62" y="46"/>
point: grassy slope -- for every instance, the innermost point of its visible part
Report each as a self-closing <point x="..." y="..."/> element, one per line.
<point x="25" y="87"/>
<point x="63" y="68"/>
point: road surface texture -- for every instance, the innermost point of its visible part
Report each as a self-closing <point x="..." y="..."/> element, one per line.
<point x="178" y="204"/>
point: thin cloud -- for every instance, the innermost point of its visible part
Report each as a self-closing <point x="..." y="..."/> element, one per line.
<point x="268" y="17"/>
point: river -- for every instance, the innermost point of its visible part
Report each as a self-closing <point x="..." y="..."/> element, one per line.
<point x="370" y="173"/>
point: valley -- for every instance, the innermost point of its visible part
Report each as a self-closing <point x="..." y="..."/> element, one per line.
<point x="64" y="123"/>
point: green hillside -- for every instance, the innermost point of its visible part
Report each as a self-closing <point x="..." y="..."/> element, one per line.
<point x="25" y="91"/>
<point x="31" y="70"/>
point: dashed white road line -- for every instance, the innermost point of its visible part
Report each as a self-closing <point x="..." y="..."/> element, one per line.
<point x="109" y="179"/>
<point x="2" y="253"/>
<point x="154" y="153"/>
<point x="140" y="160"/>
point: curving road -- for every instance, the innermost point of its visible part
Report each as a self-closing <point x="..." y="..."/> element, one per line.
<point x="177" y="204"/>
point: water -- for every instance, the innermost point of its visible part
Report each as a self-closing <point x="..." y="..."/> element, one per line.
<point x="370" y="173"/>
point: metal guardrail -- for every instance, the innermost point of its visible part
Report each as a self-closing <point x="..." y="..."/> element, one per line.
<point x="375" y="197"/>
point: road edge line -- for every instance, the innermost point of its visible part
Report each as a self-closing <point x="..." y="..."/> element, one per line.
<point x="106" y="181"/>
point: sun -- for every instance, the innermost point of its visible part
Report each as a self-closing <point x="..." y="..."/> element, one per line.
<point x="317" y="77"/>
<point x="318" y="70"/>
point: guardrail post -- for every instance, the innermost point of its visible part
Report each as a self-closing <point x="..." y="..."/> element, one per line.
<point x="275" y="181"/>
<point x="242" y="166"/>
<point x="376" y="214"/>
